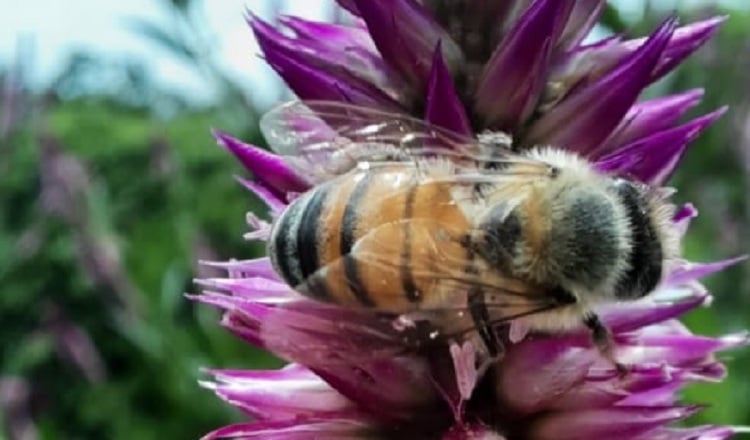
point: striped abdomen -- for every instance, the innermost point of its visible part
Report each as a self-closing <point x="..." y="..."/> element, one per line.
<point x="395" y="221"/>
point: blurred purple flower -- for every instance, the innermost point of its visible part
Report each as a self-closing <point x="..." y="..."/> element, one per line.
<point x="474" y="67"/>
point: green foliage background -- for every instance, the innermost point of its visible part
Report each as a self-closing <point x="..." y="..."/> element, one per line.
<point x="111" y="192"/>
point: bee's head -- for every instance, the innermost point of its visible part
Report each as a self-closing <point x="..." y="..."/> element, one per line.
<point x="589" y="242"/>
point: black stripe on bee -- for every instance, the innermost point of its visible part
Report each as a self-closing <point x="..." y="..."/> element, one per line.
<point x="407" y="280"/>
<point x="284" y="249"/>
<point x="348" y="238"/>
<point x="645" y="262"/>
<point x="307" y="240"/>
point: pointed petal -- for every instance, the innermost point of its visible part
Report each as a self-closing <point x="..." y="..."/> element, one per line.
<point x="659" y="154"/>
<point x="265" y="194"/>
<point x="683" y="217"/>
<point x="623" y="318"/>
<point x="697" y="433"/>
<point x="333" y="48"/>
<point x="686" y="40"/>
<point x="584" y="119"/>
<point x="687" y="271"/>
<point x="686" y="211"/>
<point x="327" y="35"/>
<point x="241" y="326"/>
<point x="285" y="394"/>
<point x="406" y="34"/>
<point x="582" y="19"/>
<point x="444" y="108"/>
<point x="676" y="350"/>
<point x="295" y="430"/>
<point x="586" y="64"/>
<point x="616" y="423"/>
<point x="250" y="290"/>
<point x="316" y="80"/>
<point x="269" y="169"/>
<point x="259" y="267"/>
<point x="358" y="354"/>
<point x="514" y="76"/>
<point x="649" y="117"/>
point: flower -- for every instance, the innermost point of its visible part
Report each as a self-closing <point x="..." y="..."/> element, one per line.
<point x="517" y="67"/>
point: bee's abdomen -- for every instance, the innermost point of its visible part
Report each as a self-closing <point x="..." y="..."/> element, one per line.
<point x="310" y="242"/>
<point x="293" y="245"/>
<point x="356" y="240"/>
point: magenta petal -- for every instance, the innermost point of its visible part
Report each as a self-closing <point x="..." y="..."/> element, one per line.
<point x="316" y="81"/>
<point x="639" y="385"/>
<point x="583" y="17"/>
<point x="328" y="35"/>
<point x="698" y="433"/>
<point x="686" y="212"/>
<point x="241" y="325"/>
<point x="686" y="40"/>
<point x="616" y="423"/>
<point x="595" y="394"/>
<point x="269" y="169"/>
<point x="394" y="389"/>
<point x="660" y="391"/>
<point x="285" y="394"/>
<point x="335" y="48"/>
<point x="659" y="154"/>
<point x="590" y="62"/>
<point x="649" y="117"/>
<point x="514" y="76"/>
<point x="444" y="108"/>
<point x="584" y="119"/>
<point x="683" y="217"/>
<point x="688" y="272"/>
<point x="678" y="350"/>
<point x="265" y="194"/>
<point x="406" y="34"/>
<point x="613" y="164"/>
<point x="258" y="267"/>
<point x="294" y="430"/>
<point x="624" y="318"/>
<point x="536" y="372"/>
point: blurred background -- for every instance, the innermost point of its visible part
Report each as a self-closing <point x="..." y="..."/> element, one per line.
<point x="111" y="188"/>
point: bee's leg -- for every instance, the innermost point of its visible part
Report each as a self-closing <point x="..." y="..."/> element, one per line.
<point x="602" y="339"/>
<point x="481" y="317"/>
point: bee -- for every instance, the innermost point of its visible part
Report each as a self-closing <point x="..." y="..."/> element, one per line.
<point x="404" y="217"/>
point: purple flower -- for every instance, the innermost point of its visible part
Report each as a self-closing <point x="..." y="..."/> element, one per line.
<point x="516" y="67"/>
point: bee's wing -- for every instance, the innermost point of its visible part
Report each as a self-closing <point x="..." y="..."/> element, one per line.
<point x="435" y="262"/>
<point x="325" y="138"/>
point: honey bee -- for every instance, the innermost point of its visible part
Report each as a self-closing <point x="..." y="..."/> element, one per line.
<point x="405" y="217"/>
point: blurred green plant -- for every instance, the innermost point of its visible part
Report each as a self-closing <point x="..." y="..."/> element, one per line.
<point x="111" y="190"/>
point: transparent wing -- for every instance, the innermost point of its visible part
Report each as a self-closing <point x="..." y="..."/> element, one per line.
<point x="437" y="267"/>
<point x="324" y="139"/>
